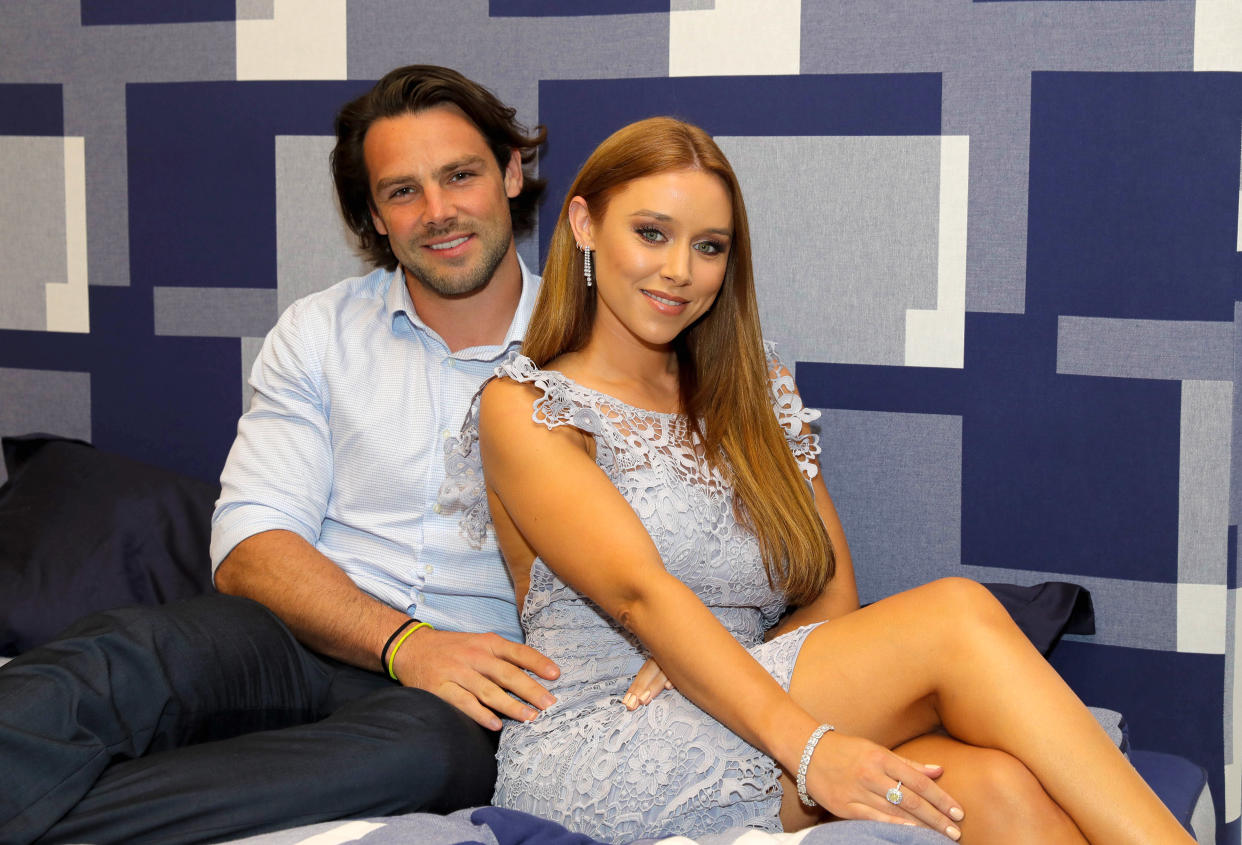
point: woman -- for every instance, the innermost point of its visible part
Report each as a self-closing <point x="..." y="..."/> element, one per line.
<point x="656" y="514"/>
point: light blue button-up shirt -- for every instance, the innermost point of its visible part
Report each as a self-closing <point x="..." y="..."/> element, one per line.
<point x="354" y="398"/>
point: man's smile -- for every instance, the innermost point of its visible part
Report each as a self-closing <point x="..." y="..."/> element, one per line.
<point x="442" y="245"/>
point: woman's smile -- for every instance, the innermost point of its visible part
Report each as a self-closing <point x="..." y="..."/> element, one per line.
<point x="666" y="303"/>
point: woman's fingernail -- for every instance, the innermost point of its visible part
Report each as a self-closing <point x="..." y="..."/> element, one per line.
<point x="933" y="766"/>
<point x="956" y="814"/>
<point x="953" y="833"/>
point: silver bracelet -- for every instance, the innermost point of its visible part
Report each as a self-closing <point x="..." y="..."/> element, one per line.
<point x="806" y="761"/>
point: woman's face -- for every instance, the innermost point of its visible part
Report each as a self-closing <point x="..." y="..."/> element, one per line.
<point x="661" y="249"/>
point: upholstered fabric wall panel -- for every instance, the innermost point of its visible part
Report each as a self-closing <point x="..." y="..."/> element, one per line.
<point x="1000" y="240"/>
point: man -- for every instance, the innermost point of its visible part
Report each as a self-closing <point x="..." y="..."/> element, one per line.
<point x="314" y="690"/>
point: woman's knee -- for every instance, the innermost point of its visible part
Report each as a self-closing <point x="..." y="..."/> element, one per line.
<point x="1006" y="783"/>
<point x="961" y="621"/>
<point x="964" y="603"/>
<point x="962" y="593"/>
<point x="1003" y="801"/>
<point x="1005" y="797"/>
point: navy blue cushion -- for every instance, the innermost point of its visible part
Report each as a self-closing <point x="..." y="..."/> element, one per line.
<point x="83" y="530"/>
<point x="1047" y="610"/>
<point x="1177" y="781"/>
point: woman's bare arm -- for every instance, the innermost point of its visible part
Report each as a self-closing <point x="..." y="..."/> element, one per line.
<point x="841" y="595"/>
<point x="563" y="504"/>
<point x="570" y="512"/>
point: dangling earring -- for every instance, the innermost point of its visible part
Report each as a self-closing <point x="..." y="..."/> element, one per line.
<point x="586" y="262"/>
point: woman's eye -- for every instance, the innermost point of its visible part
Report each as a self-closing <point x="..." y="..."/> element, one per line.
<point x="710" y="247"/>
<point x="650" y="235"/>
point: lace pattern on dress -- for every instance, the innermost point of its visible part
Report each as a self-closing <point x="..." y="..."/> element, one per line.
<point x="667" y="767"/>
<point x="463" y="487"/>
<point x="791" y="414"/>
<point x="641" y="433"/>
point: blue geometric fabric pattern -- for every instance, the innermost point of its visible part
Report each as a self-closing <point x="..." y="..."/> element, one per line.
<point x="1000" y="240"/>
<point x="561" y="8"/>
<point x="121" y="12"/>
<point x="31" y="110"/>
<point x="194" y="118"/>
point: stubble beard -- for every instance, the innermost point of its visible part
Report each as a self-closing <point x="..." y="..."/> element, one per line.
<point x="468" y="280"/>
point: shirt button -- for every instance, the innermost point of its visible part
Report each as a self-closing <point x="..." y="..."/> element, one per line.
<point x="436" y="507"/>
<point x="446" y="434"/>
<point x="450" y="363"/>
<point x="429" y="569"/>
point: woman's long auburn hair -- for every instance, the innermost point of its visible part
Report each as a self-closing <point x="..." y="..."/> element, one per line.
<point x="722" y="367"/>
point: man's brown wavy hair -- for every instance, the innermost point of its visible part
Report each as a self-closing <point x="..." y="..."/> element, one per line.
<point x="412" y="89"/>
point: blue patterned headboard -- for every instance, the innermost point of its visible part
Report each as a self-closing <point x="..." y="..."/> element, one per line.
<point x="1000" y="239"/>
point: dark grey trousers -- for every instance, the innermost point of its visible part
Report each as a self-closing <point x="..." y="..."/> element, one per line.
<point x="206" y="720"/>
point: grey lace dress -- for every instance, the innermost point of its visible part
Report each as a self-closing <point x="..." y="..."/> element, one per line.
<point x="668" y="767"/>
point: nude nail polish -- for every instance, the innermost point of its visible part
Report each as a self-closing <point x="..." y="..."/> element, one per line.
<point x="953" y="833"/>
<point x="956" y="814"/>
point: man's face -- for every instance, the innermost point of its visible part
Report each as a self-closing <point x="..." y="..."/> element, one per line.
<point x="439" y="196"/>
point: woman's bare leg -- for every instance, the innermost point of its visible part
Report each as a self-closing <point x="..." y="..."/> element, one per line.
<point x="947" y="654"/>
<point x="1004" y="803"/>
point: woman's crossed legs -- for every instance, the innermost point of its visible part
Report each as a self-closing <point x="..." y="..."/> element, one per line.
<point x="1021" y="745"/>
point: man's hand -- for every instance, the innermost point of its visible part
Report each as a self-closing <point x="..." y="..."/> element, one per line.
<point x="477" y="673"/>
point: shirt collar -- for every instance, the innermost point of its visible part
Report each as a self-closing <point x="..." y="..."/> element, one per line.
<point x="398" y="303"/>
<point x="525" y="307"/>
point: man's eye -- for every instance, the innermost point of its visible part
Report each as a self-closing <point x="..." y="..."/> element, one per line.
<point x="398" y="193"/>
<point x="460" y="175"/>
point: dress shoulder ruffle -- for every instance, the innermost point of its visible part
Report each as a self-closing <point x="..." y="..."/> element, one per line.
<point x="792" y="414"/>
<point x="561" y="402"/>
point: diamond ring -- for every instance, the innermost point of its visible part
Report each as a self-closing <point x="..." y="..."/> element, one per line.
<point x="894" y="795"/>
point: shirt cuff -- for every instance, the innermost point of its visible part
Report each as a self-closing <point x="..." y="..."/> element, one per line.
<point x="237" y="522"/>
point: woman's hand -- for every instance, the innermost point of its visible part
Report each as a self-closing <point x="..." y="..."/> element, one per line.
<point x="852" y="776"/>
<point x="647" y="685"/>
